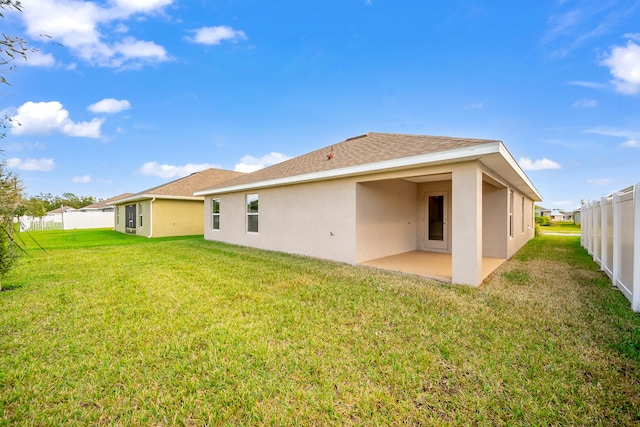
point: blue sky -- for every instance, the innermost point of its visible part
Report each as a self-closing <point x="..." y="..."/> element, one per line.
<point x="124" y="95"/>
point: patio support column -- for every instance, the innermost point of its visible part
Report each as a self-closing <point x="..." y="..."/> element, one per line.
<point x="466" y="242"/>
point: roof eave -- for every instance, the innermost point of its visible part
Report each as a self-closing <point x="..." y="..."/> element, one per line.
<point x="141" y="197"/>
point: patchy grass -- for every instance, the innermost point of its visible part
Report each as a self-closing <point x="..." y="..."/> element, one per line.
<point x="189" y="332"/>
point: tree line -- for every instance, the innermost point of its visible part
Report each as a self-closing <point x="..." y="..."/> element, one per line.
<point x="38" y="206"/>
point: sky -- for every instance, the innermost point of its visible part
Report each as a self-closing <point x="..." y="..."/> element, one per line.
<point x="124" y="95"/>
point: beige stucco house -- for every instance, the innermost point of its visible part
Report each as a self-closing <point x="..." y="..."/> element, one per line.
<point x="170" y="209"/>
<point x="450" y="208"/>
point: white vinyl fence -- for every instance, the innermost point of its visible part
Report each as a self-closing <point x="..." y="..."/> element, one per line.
<point x="611" y="233"/>
<point x="69" y="221"/>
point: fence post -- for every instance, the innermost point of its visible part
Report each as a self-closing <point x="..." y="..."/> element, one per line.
<point x="604" y="256"/>
<point x="592" y="230"/>
<point x="617" y="241"/>
<point x="635" y="286"/>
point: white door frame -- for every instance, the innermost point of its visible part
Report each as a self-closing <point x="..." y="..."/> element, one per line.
<point x="437" y="244"/>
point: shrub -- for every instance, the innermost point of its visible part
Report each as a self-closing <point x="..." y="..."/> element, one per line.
<point x="543" y="220"/>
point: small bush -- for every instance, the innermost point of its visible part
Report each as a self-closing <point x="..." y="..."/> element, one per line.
<point x="543" y="220"/>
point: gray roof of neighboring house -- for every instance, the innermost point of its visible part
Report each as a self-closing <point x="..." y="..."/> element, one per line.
<point x="104" y="203"/>
<point x="184" y="187"/>
<point x="61" y="210"/>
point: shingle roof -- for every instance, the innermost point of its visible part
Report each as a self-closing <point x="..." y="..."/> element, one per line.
<point x="360" y="150"/>
<point x="186" y="186"/>
<point x="106" y="202"/>
<point x="196" y="181"/>
<point x="61" y="210"/>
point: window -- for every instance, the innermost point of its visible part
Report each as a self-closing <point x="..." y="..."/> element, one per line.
<point x="522" y="213"/>
<point x="252" y="213"/>
<point x="215" y="214"/>
<point x="510" y="213"/>
<point x="140" y="210"/>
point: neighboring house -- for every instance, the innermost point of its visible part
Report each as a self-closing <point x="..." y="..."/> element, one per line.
<point x="403" y="202"/>
<point x="557" y="215"/>
<point x="57" y="213"/>
<point x="540" y="211"/>
<point x="577" y="216"/>
<point x="170" y="209"/>
<point x="104" y="205"/>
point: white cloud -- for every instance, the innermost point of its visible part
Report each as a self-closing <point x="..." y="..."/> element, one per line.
<point x="27" y="146"/>
<point x="585" y="103"/>
<point x="45" y="118"/>
<point x="41" y="165"/>
<point x="133" y="53"/>
<point x="590" y="85"/>
<point x="84" y="179"/>
<point x="631" y="143"/>
<point x="536" y="165"/>
<point x="251" y="164"/>
<point x="633" y="36"/>
<point x="624" y="66"/>
<point x="611" y="131"/>
<point x="38" y="59"/>
<point x="171" y="171"/>
<point x="109" y="106"/>
<point x="142" y="6"/>
<point x="85" y="28"/>
<point x="215" y="35"/>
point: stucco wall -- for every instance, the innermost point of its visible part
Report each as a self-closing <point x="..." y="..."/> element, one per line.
<point x="174" y="217"/>
<point x="497" y="241"/>
<point x="119" y="218"/>
<point x="494" y="218"/>
<point x="523" y="228"/>
<point x="143" y="209"/>
<point x="386" y="213"/>
<point x="316" y="219"/>
<point x="358" y="219"/>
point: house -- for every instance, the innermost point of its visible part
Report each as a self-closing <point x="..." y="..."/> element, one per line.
<point x="170" y="209"/>
<point x="577" y="216"/>
<point x="450" y="208"/>
<point x="540" y="211"/>
<point x="557" y="215"/>
<point x="104" y="205"/>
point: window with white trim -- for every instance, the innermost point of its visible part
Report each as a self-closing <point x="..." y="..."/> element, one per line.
<point x="215" y="214"/>
<point x="140" y="208"/>
<point x="510" y="213"/>
<point x="252" y="213"/>
<point x="522" y="214"/>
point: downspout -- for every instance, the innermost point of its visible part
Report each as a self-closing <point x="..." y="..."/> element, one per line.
<point x="151" y="217"/>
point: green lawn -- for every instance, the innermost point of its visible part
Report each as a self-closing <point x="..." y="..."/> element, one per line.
<point x="564" y="227"/>
<point x="121" y="330"/>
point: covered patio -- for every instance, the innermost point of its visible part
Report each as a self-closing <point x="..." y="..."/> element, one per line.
<point x="435" y="265"/>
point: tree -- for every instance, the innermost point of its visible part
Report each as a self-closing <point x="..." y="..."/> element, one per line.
<point x="10" y="185"/>
<point x="33" y="207"/>
<point x="51" y="202"/>
<point x="10" y="201"/>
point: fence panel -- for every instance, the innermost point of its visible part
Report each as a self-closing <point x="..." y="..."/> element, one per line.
<point x="611" y="234"/>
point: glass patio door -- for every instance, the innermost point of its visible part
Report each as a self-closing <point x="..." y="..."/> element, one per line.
<point x="436" y="221"/>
